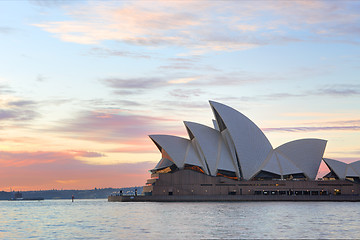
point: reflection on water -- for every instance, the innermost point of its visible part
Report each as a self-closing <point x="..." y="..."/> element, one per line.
<point x="99" y="219"/>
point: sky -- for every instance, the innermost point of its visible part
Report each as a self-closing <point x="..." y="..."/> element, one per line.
<point x="83" y="83"/>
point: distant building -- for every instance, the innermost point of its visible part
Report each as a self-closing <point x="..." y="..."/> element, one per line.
<point x="236" y="158"/>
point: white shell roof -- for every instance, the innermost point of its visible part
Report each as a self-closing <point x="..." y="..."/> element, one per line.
<point x="225" y="161"/>
<point x="179" y="149"/>
<point x="306" y="154"/>
<point x="287" y="166"/>
<point x="212" y="147"/>
<point x="272" y="164"/>
<point x="164" y="162"/>
<point x="339" y="168"/>
<point x="280" y="165"/>
<point x="356" y="167"/>
<point x="192" y="157"/>
<point x="350" y="172"/>
<point x="237" y="144"/>
<point x="252" y="146"/>
<point x="343" y="170"/>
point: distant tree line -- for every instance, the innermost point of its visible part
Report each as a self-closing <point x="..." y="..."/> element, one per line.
<point x="96" y="193"/>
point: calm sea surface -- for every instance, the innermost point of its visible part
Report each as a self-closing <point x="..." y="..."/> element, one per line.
<point x="99" y="219"/>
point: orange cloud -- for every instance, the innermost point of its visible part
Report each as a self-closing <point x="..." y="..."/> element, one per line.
<point x="23" y="159"/>
<point x="69" y="181"/>
<point x="62" y="170"/>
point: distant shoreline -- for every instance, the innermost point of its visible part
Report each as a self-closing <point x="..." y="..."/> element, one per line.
<point x="96" y="193"/>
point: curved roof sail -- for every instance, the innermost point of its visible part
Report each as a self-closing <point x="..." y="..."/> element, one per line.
<point x="272" y="164"/>
<point x="177" y="148"/>
<point x="163" y="163"/>
<point x="279" y="164"/>
<point x="339" y="168"/>
<point x="211" y="146"/>
<point x="192" y="157"/>
<point x="343" y="170"/>
<point x="356" y="167"/>
<point x="252" y="146"/>
<point x="350" y="172"/>
<point x="286" y="165"/>
<point x="306" y="154"/>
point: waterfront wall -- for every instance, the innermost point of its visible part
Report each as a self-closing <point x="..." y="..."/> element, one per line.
<point x="187" y="182"/>
<point x="232" y="198"/>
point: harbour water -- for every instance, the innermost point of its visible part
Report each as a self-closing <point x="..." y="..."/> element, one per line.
<point x="99" y="219"/>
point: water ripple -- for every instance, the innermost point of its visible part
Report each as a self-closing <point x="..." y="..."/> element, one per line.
<point x="99" y="219"/>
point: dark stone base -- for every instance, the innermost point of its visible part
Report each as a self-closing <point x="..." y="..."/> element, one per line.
<point x="233" y="198"/>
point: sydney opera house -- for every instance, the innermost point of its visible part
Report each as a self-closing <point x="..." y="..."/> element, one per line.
<point x="236" y="158"/>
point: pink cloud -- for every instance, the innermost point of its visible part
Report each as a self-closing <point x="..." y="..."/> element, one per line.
<point x="117" y="127"/>
<point x="48" y="170"/>
<point x="23" y="159"/>
<point x="191" y="24"/>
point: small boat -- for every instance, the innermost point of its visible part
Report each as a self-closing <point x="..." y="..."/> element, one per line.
<point x="18" y="197"/>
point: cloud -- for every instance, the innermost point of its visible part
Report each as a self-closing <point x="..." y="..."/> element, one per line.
<point x="135" y="83"/>
<point x="66" y="182"/>
<point x="138" y="145"/>
<point x="345" y="122"/>
<point x="192" y="62"/>
<point x="41" y="78"/>
<point x="18" y="110"/>
<point x="21" y="159"/>
<point x="6" y="30"/>
<point x="183" y="80"/>
<point x="335" y="90"/>
<point x="128" y="23"/>
<point x="113" y="106"/>
<point x="104" y="52"/>
<point x="4" y="89"/>
<point x="247" y="28"/>
<point x="21" y="103"/>
<point x="132" y="86"/>
<point x="21" y="140"/>
<point x="203" y="26"/>
<point x="347" y="152"/>
<point x="312" y="129"/>
<point x="181" y="106"/>
<point x="169" y="82"/>
<point x="342" y="125"/>
<point x="310" y="114"/>
<point x="62" y="169"/>
<point x="342" y="90"/>
<point x="186" y="93"/>
<point x="17" y="114"/>
<point x="52" y="3"/>
<point x="126" y="92"/>
<point x="108" y="126"/>
<point x="225" y="79"/>
<point x="86" y="154"/>
<point x="276" y="96"/>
